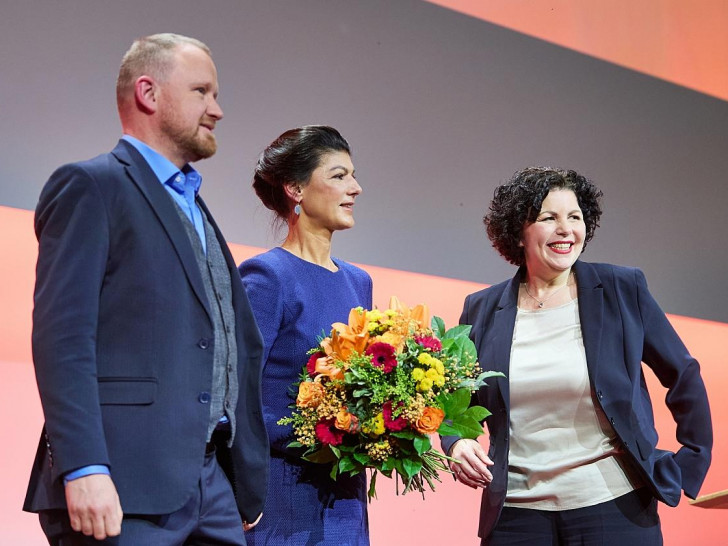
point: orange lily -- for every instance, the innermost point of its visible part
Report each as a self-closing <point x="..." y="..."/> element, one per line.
<point x="349" y="338"/>
<point x="327" y="366"/>
<point x="419" y="313"/>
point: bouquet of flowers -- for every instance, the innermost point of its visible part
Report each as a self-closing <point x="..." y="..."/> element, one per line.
<point x="374" y="390"/>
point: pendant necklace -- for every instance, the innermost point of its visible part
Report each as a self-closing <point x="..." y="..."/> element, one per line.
<point x="551" y="295"/>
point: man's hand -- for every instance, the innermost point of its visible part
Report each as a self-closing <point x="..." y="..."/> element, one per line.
<point x="93" y="506"/>
<point x="474" y="462"/>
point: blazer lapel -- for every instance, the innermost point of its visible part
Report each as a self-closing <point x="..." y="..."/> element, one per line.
<point x="145" y="180"/>
<point x="591" y="313"/>
<point x="500" y="340"/>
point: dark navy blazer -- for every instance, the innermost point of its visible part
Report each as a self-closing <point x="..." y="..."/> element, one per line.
<point x="123" y="344"/>
<point x="622" y="326"/>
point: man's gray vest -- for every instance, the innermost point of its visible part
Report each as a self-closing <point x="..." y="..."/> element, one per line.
<point x="216" y="278"/>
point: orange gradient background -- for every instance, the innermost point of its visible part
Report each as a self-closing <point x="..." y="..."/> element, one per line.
<point x="448" y="516"/>
<point x="683" y="42"/>
<point x="679" y="41"/>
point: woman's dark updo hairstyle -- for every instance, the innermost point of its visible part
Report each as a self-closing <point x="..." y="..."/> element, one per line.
<point x="290" y="159"/>
<point x="518" y="202"/>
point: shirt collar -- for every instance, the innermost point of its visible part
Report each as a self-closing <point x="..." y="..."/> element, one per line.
<point x="166" y="171"/>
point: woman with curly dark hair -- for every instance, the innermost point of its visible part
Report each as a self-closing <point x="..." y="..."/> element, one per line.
<point x="573" y="457"/>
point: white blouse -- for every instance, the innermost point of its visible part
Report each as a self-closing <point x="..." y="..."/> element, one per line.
<point x="563" y="452"/>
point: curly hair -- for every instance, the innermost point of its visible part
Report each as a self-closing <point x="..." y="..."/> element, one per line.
<point x="291" y="159"/>
<point x="518" y="202"/>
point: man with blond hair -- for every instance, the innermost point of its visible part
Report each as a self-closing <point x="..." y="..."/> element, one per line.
<point x="147" y="355"/>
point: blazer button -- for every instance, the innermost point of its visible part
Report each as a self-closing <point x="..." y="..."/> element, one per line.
<point x="204" y="398"/>
<point x="600" y="395"/>
<point x="203" y="343"/>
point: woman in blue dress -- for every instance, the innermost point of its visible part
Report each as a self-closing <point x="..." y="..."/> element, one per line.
<point x="297" y="291"/>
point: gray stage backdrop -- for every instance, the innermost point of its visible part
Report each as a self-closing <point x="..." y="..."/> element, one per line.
<point x="439" y="109"/>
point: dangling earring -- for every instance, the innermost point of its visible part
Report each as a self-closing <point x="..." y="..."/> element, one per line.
<point x="297" y="209"/>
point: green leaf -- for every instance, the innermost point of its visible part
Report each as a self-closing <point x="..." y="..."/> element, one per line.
<point x="491" y="373"/>
<point x="362" y="458"/>
<point x="461" y="330"/>
<point x="422" y="444"/>
<point x="361" y="393"/>
<point x="406" y="447"/>
<point x="372" y="493"/>
<point x="478" y="382"/>
<point x="477" y="413"/>
<point x="446" y="429"/>
<point x="411" y="467"/>
<point x="455" y="403"/>
<point x="462" y="427"/>
<point x="322" y="456"/>
<point x="295" y="444"/>
<point x="399" y="467"/>
<point x="438" y="326"/>
<point x="346" y="465"/>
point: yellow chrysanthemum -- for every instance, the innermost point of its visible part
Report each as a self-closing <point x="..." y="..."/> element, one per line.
<point x="374" y="315"/>
<point x="424" y="359"/>
<point x="424" y="385"/>
<point x="418" y="374"/>
<point x="375" y="427"/>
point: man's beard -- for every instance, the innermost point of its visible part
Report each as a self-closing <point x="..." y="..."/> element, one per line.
<point x="190" y="144"/>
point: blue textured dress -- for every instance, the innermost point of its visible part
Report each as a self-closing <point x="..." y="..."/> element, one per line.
<point x="295" y="301"/>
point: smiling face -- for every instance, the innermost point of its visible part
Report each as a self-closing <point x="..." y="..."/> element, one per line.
<point x="555" y="240"/>
<point x="327" y="201"/>
<point x="188" y="108"/>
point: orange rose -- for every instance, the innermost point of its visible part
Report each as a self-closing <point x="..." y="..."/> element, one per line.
<point x="310" y="394"/>
<point x="346" y="421"/>
<point x="430" y="420"/>
<point x="327" y="366"/>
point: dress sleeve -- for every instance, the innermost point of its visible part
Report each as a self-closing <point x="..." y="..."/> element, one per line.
<point x="687" y="400"/>
<point x="265" y="292"/>
<point x="265" y="289"/>
<point x="368" y="289"/>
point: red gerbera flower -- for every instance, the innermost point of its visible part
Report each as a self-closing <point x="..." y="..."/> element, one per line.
<point x="311" y="364"/>
<point x="327" y="433"/>
<point x="429" y="342"/>
<point x="382" y="356"/>
<point x="400" y="423"/>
